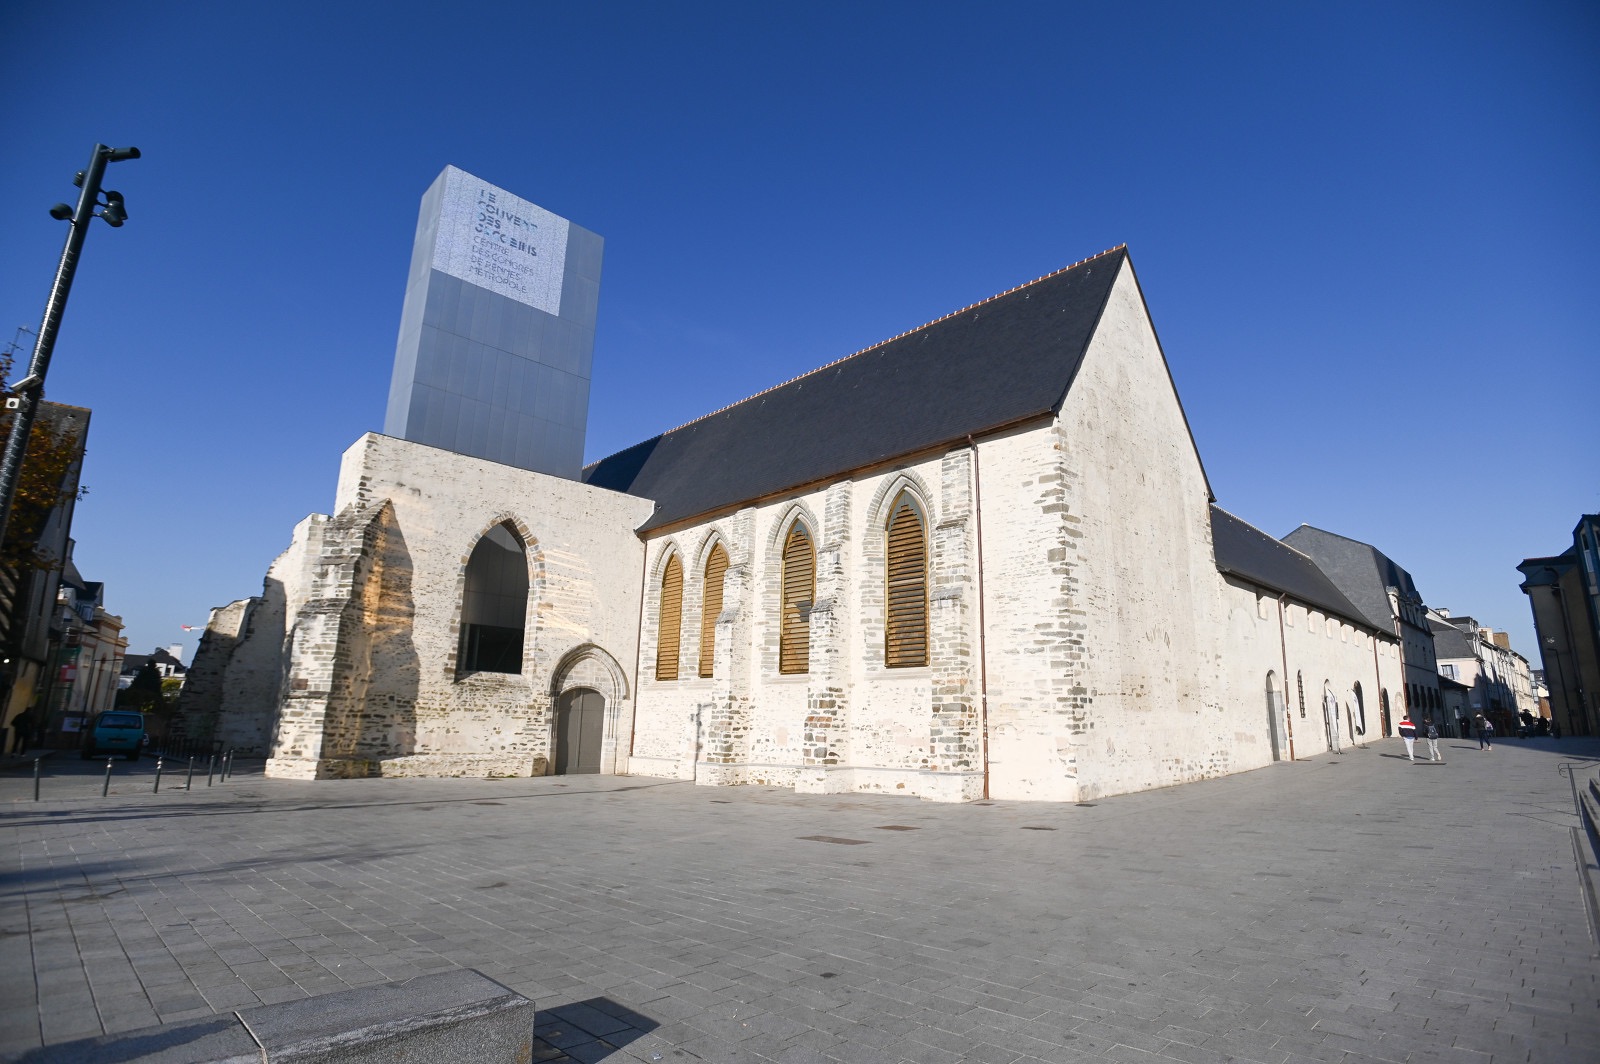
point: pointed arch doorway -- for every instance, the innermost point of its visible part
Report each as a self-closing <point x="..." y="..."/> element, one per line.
<point x="580" y="731"/>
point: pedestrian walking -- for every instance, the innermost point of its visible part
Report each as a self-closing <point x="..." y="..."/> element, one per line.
<point x="22" y="731"/>
<point x="1485" y="732"/>
<point x="1408" y="732"/>
<point x="1433" y="741"/>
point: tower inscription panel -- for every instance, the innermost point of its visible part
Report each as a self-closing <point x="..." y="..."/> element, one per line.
<point x="497" y="332"/>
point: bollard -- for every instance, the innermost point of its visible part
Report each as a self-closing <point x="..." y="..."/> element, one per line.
<point x="211" y="765"/>
<point x="105" y="790"/>
<point x="36" y="779"/>
<point x="157" y="788"/>
<point x="188" y="781"/>
<point x="227" y="765"/>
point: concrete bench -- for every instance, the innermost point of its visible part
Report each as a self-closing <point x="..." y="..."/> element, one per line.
<point x="458" y="1017"/>
<point x="1586" y="843"/>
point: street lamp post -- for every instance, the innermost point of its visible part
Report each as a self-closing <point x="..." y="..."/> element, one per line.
<point x="26" y="393"/>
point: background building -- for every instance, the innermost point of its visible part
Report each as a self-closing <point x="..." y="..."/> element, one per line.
<point x="37" y="547"/>
<point x="1496" y="678"/>
<point x="88" y="649"/>
<point x="1388" y="599"/>
<point x="1564" y="593"/>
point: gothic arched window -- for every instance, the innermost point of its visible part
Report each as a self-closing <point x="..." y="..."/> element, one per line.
<point x="906" y="571"/>
<point x="799" y="587"/>
<point x="711" y="607"/>
<point x="669" y="626"/>
<point x="494" y="606"/>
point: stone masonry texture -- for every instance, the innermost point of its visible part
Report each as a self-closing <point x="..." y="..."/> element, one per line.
<point x="1341" y="909"/>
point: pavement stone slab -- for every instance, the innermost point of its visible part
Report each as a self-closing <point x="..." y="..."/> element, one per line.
<point x="1303" y="912"/>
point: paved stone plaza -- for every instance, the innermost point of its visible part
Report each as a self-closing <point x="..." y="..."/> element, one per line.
<point x="1352" y="907"/>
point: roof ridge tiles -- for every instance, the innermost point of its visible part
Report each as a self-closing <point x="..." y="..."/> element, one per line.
<point x="870" y="348"/>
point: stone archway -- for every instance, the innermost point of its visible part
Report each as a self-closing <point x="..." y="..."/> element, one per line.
<point x="589" y="692"/>
<point x="1276" y="730"/>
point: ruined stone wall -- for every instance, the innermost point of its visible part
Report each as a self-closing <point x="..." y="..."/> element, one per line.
<point x="372" y="684"/>
<point x="206" y="681"/>
<point x="241" y="661"/>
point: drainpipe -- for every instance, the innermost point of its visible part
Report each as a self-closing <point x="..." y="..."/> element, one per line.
<point x="638" y="653"/>
<point x="1377" y="674"/>
<point x="1283" y="647"/>
<point x="1405" y="667"/>
<point x="983" y="642"/>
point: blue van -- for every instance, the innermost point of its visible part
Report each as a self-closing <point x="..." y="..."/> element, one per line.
<point x="117" y="732"/>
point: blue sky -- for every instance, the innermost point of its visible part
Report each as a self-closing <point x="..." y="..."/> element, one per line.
<point x="1367" y="234"/>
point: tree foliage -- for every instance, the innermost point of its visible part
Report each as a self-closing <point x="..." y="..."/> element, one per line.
<point x="43" y="485"/>
<point x="170" y="689"/>
<point x="144" y="693"/>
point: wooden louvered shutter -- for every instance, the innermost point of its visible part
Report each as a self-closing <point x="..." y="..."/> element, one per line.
<point x="671" y="620"/>
<point x="906" y="630"/>
<point x="716" y="568"/>
<point x="799" y="584"/>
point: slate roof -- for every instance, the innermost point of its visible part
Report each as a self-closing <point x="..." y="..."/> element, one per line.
<point x="1246" y="551"/>
<point x="1000" y="362"/>
<point x="1360" y="570"/>
<point x="1449" y="641"/>
<point x="1542" y="572"/>
<point x="132" y="663"/>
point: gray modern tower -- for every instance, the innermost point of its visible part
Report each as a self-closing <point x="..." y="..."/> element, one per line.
<point x="497" y="333"/>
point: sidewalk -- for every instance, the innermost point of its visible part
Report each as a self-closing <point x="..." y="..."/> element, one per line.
<point x="27" y="757"/>
<point x="1434" y="915"/>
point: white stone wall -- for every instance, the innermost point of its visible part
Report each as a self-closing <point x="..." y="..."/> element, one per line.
<point x="1143" y="578"/>
<point x="1036" y="634"/>
<point x="371" y="683"/>
<point x="849" y="723"/>
<point x="1302" y="650"/>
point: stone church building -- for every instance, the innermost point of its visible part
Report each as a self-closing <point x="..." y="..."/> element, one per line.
<point x="981" y="558"/>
